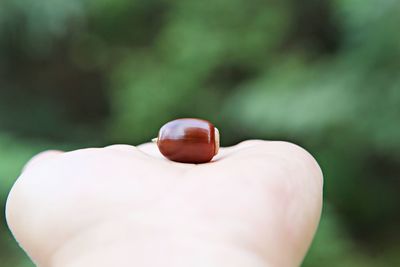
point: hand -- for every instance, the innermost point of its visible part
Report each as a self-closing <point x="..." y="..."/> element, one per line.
<point x="256" y="205"/>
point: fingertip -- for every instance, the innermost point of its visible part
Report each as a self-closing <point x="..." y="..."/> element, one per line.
<point x="41" y="157"/>
<point x="288" y="150"/>
<point x="306" y="157"/>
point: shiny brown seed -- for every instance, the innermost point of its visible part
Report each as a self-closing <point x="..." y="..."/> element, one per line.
<point x="188" y="140"/>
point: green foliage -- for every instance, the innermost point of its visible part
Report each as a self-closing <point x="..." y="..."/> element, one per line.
<point x="324" y="74"/>
<point x="332" y="247"/>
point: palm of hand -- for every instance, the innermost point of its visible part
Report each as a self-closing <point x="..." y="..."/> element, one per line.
<point x="258" y="202"/>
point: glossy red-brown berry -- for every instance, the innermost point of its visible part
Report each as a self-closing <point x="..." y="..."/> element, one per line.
<point x="188" y="140"/>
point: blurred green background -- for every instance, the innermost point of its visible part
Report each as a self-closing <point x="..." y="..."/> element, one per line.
<point x="323" y="74"/>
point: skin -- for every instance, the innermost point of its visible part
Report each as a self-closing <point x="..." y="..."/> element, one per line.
<point x="257" y="204"/>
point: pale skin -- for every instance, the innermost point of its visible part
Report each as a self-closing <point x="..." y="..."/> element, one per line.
<point x="257" y="204"/>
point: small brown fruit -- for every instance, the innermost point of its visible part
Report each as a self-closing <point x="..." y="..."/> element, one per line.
<point x="188" y="140"/>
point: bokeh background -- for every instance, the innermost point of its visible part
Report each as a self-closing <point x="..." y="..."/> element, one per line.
<point x="323" y="74"/>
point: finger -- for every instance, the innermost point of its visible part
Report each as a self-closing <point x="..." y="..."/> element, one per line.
<point x="151" y="149"/>
<point x="294" y="181"/>
<point x="133" y="151"/>
<point x="226" y="151"/>
<point x="41" y="157"/>
<point x="123" y="148"/>
<point x="276" y="186"/>
<point x="148" y="150"/>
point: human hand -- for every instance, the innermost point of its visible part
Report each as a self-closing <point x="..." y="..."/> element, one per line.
<point x="256" y="205"/>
